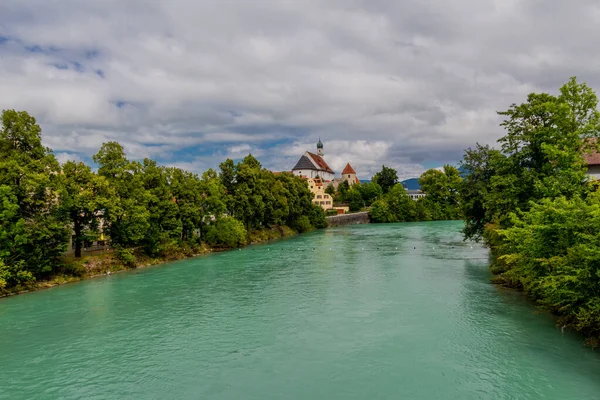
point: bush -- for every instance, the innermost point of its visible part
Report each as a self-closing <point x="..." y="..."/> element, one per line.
<point x="303" y="224"/>
<point x="380" y="212"/>
<point x="125" y="256"/>
<point x="13" y="275"/>
<point x="317" y="217"/>
<point x="227" y="232"/>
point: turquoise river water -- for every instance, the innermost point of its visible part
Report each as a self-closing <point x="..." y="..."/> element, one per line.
<point x="399" y="311"/>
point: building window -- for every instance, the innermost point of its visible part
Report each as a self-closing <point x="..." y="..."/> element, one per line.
<point x="328" y="202"/>
<point x="348" y="176"/>
<point x="319" y="196"/>
<point x="322" y="202"/>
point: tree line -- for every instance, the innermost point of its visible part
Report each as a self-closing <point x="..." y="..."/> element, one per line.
<point x="388" y="201"/>
<point x="154" y="209"/>
<point x="533" y="204"/>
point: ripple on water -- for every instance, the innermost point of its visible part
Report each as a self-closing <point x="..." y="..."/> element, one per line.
<point x="391" y="311"/>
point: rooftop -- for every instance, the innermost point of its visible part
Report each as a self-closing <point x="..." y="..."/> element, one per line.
<point x="348" y="170"/>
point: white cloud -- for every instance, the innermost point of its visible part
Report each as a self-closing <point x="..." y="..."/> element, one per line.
<point x="403" y="83"/>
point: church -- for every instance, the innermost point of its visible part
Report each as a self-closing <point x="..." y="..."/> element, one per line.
<point x="319" y="175"/>
<point x="312" y="165"/>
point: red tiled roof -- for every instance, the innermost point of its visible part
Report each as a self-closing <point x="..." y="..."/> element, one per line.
<point x="592" y="158"/>
<point x="348" y="170"/>
<point x="320" y="162"/>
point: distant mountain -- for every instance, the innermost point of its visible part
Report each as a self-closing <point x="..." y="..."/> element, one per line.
<point x="411" y="184"/>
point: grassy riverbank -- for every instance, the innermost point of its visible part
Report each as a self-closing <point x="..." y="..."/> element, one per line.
<point x="110" y="262"/>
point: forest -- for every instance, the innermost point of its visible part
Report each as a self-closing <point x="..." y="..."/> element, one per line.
<point x="147" y="210"/>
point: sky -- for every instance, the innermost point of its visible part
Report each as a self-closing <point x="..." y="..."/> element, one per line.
<point x="405" y="83"/>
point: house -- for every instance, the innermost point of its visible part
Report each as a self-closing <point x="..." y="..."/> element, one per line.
<point x="415" y="194"/>
<point x="319" y="176"/>
<point x="593" y="165"/>
<point x="321" y="198"/>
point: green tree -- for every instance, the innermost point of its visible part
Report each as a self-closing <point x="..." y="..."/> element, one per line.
<point x="227" y="232"/>
<point x="355" y="199"/>
<point x="380" y="212"/>
<point x="442" y="192"/>
<point x="30" y="174"/>
<point x="401" y="206"/>
<point x="330" y="190"/>
<point x="85" y="198"/>
<point x="128" y="218"/>
<point x="370" y="192"/>
<point x="386" y="178"/>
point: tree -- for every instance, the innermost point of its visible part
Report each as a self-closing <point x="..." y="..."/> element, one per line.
<point x="330" y="190"/>
<point x="386" y="178"/>
<point x="128" y="218"/>
<point x="370" y="192"/>
<point x="442" y="192"/>
<point x="401" y="206"/>
<point x="30" y="174"/>
<point x="480" y="164"/>
<point x="84" y="199"/>
<point x="227" y="232"/>
<point x="541" y="156"/>
<point x="380" y="212"/>
<point x="355" y="199"/>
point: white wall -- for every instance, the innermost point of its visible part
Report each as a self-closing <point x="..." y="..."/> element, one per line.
<point x="313" y="174"/>
<point x="594" y="171"/>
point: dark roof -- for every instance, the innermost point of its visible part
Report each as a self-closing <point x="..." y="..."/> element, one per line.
<point x="320" y="162"/>
<point x="304" y="163"/>
<point x="348" y="170"/>
<point x="414" y="192"/>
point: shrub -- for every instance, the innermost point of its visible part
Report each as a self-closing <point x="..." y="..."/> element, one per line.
<point x="227" y="232"/>
<point x="303" y="224"/>
<point x="13" y="275"/>
<point x="125" y="256"/>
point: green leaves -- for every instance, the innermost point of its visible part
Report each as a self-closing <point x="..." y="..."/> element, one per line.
<point x="532" y="204"/>
<point x="386" y="178"/>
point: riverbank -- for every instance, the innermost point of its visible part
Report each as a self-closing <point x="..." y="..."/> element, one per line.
<point x="76" y="270"/>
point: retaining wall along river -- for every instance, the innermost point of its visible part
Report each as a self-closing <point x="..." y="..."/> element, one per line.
<point x="348" y="219"/>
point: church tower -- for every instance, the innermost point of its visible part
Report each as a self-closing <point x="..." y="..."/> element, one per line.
<point x="320" y="148"/>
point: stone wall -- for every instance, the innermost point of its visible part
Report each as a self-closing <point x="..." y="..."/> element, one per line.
<point x="348" y="219"/>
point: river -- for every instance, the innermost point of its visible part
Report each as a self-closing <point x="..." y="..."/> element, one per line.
<point x="398" y="311"/>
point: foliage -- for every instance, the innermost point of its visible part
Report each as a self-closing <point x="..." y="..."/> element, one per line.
<point x="354" y="199"/>
<point x="386" y="178"/>
<point x="33" y="232"/>
<point x="330" y="190"/>
<point x="227" y="232"/>
<point x="369" y="192"/>
<point x="442" y="193"/>
<point x="531" y="203"/>
<point x="440" y="203"/>
<point x="303" y="224"/>
<point x="85" y="197"/>
<point x="552" y="252"/>
<point x="541" y="157"/>
<point x="157" y="210"/>
<point x="125" y="256"/>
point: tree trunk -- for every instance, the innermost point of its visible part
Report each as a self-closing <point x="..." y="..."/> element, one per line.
<point x="77" y="228"/>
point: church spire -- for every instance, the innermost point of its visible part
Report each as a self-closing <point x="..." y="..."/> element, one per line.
<point x="320" y="147"/>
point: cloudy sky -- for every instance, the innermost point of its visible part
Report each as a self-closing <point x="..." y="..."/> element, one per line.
<point x="406" y="83"/>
